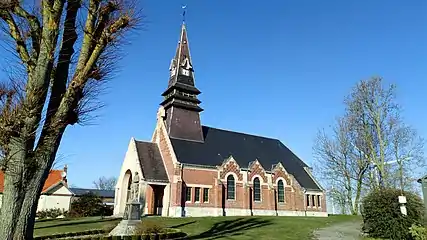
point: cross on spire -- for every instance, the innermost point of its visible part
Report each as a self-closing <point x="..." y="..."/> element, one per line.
<point x="184" y="7"/>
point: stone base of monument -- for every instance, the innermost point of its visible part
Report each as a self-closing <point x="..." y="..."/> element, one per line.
<point x="130" y="222"/>
<point x="125" y="228"/>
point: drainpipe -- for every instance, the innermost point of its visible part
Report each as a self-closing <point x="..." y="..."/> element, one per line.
<point x="183" y="194"/>
<point x="305" y="202"/>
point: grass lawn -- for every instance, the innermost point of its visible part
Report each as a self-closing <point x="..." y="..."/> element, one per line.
<point x="53" y="226"/>
<point x="238" y="228"/>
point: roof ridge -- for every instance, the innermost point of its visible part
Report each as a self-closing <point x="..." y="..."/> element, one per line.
<point x="143" y="141"/>
<point x="249" y="134"/>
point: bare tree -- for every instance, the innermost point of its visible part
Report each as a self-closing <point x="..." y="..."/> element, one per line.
<point x="64" y="59"/>
<point x="407" y="150"/>
<point x="373" y="107"/>
<point x="365" y="143"/>
<point x="341" y="165"/>
<point x="104" y="183"/>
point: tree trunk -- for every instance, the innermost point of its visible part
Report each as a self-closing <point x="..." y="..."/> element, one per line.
<point x="357" y="197"/>
<point x="401" y="177"/>
<point x="20" y="214"/>
<point x="13" y="193"/>
<point x="25" y="225"/>
<point x="11" y="207"/>
<point x="350" y="204"/>
<point x="22" y="188"/>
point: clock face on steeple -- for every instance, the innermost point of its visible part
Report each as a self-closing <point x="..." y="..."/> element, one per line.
<point x="185" y="72"/>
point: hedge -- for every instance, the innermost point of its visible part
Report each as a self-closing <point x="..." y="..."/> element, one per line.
<point x="174" y="233"/>
<point x="382" y="217"/>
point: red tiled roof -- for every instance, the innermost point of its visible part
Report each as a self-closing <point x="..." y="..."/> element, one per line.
<point x="54" y="177"/>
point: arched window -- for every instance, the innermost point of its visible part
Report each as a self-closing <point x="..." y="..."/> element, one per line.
<point x="231" y="193"/>
<point x="257" y="190"/>
<point x="280" y="192"/>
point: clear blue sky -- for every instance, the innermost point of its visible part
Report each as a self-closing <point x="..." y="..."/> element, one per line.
<point x="279" y="69"/>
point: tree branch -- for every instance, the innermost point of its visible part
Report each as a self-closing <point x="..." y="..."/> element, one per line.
<point x="106" y="37"/>
<point x="37" y="84"/>
<point x="88" y="33"/>
<point x="64" y="114"/>
<point x="35" y="29"/>
<point x="14" y="32"/>
<point x="69" y="37"/>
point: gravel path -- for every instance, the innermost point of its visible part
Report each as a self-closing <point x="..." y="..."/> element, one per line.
<point x="340" y="231"/>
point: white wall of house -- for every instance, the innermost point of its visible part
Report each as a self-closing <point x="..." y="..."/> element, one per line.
<point x="58" y="197"/>
<point x="130" y="164"/>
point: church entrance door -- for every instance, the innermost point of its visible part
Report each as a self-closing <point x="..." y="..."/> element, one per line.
<point x="157" y="206"/>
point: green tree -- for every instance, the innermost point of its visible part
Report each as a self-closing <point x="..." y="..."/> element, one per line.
<point x="87" y="205"/>
<point x="63" y="60"/>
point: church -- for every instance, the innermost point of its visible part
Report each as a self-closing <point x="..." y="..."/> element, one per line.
<point x="189" y="169"/>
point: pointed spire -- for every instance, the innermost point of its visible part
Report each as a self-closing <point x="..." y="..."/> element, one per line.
<point x="181" y="86"/>
<point x="180" y="102"/>
<point x="181" y="67"/>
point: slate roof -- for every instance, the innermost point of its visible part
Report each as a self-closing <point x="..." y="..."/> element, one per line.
<point x="151" y="162"/>
<point x="54" y="177"/>
<point x="99" y="193"/>
<point x="220" y="144"/>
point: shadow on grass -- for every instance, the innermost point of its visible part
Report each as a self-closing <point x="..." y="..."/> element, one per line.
<point x="182" y="224"/>
<point x="229" y="228"/>
<point x="77" y="222"/>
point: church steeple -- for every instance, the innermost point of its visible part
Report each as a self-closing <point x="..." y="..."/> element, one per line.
<point x="180" y="98"/>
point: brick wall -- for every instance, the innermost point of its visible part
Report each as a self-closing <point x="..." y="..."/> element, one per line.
<point x="216" y="181"/>
<point x="293" y="193"/>
<point x="172" y="170"/>
<point x="201" y="179"/>
<point x="166" y="151"/>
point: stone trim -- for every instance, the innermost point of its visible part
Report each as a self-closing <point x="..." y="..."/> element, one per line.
<point x="200" y="167"/>
<point x="157" y="183"/>
<point x="211" y="211"/>
<point x="227" y="161"/>
<point x="261" y="180"/>
<point x="236" y="178"/>
<point x="313" y="193"/>
<point x="199" y="185"/>
<point x="284" y="181"/>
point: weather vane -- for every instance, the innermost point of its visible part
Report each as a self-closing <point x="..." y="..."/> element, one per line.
<point x="184" y="7"/>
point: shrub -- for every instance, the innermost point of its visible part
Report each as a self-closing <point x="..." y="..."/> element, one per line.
<point x="418" y="232"/>
<point x="382" y="217"/>
<point x="149" y="227"/>
<point x="50" y="213"/>
<point x="89" y="205"/>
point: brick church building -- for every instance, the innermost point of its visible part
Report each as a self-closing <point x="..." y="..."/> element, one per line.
<point x="188" y="169"/>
